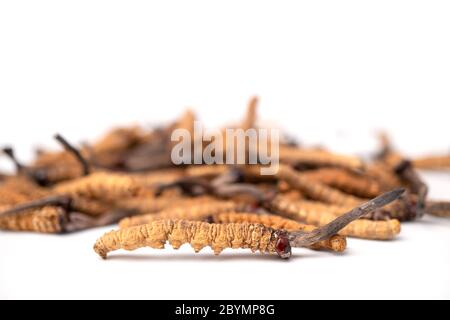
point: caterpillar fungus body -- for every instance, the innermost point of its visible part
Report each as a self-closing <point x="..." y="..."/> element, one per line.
<point x="230" y="235"/>
<point x="199" y="235"/>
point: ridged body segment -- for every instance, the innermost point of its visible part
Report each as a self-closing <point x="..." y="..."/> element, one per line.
<point x="43" y="220"/>
<point x="197" y="234"/>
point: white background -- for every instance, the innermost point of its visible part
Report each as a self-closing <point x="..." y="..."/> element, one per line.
<point x="331" y="72"/>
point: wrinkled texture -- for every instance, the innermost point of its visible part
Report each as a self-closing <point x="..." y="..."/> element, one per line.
<point x="197" y="234"/>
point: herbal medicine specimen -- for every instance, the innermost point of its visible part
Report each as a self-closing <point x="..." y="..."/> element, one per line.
<point x="361" y="228"/>
<point x="335" y="243"/>
<point x="230" y="235"/>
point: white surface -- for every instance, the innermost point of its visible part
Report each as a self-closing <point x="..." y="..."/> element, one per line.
<point x="331" y="72"/>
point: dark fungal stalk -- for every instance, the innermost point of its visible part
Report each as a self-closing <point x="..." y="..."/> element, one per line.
<point x="302" y="239"/>
<point x="70" y="148"/>
<point x="38" y="175"/>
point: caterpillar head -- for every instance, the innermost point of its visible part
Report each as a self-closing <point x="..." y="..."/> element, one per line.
<point x="283" y="246"/>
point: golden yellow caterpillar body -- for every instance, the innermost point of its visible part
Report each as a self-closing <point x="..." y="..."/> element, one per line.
<point x="198" y="234"/>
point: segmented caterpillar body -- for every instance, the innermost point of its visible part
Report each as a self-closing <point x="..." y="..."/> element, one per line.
<point x="384" y="175"/>
<point x="195" y="211"/>
<point x="319" y="158"/>
<point x="100" y="185"/>
<point x="206" y="171"/>
<point x="118" y="139"/>
<point x="152" y="205"/>
<point x="43" y="220"/>
<point x="224" y="213"/>
<point x="91" y="207"/>
<point x="335" y="243"/>
<point x="314" y="189"/>
<point x="433" y="162"/>
<point x="198" y="235"/>
<point x="349" y="182"/>
<point x="438" y="208"/>
<point x="318" y="216"/>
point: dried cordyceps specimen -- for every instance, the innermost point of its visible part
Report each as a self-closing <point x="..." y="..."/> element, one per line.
<point x="155" y="151"/>
<point x="196" y="211"/>
<point x="198" y="234"/>
<point x="403" y="209"/>
<point x="438" y="208"/>
<point x="45" y="220"/>
<point x="315" y="190"/>
<point x="9" y="197"/>
<point x="129" y="172"/>
<point x="231" y="235"/>
<point x="54" y="214"/>
<point x="154" y="178"/>
<point x="225" y="186"/>
<point x="404" y="169"/>
<point x="335" y="243"/>
<point x="118" y="140"/>
<point x="100" y="185"/>
<point x="52" y="168"/>
<point x="353" y="183"/>
<point x="316" y="215"/>
<point x="69" y="148"/>
<point x="23" y="186"/>
<point x="223" y="212"/>
<point x="318" y="158"/>
<point x="206" y="171"/>
<point x="146" y="205"/>
<point x="91" y="207"/>
<point x="37" y="175"/>
<point x="383" y="174"/>
<point x="432" y="162"/>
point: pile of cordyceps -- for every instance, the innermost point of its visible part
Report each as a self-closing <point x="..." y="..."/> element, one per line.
<point x="316" y="198"/>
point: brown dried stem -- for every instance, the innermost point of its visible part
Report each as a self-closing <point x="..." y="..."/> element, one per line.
<point x="60" y="201"/>
<point x="70" y="148"/>
<point x="301" y="239"/>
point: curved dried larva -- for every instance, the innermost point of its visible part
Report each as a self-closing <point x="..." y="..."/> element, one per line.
<point x="118" y="139"/>
<point x="152" y="205"/>
<point x="384" y="175"/>
<point x="362" y="228"/>
<point x="152" y="179"/>
<point x="438" y="208"/>
<point x="196" y="212"/>
<point x="335" y="243"/>
<point x="319" y="158"/>
<point x="100" y="185"/>
<point x="440" y="213"/>
<point x="90" y="206"/>
<point x="58" y="166"/>
<point x="62" y="172"/>
<point x="43" y="220"/>
<point x="9" y="197"/>
<point x="293" y="195"/>
<point x="206" y="171"/>
<point x="314" y="189"/>
<point x="349" y="182"/>
<point x="24" y="186"/>
<point x="432" y="162"/>
<point x="197" y="234"/>
<point x="403" y="209"/>
<point x="49" y="159"/>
